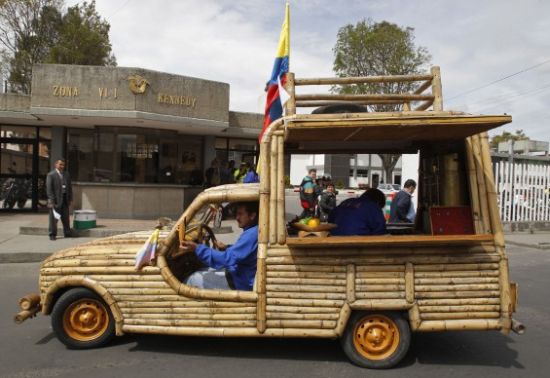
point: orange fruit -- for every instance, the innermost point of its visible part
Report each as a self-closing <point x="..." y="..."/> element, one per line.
<point x="314" y="222"/>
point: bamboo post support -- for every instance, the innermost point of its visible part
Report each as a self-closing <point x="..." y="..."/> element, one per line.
<point x="436" y="89"/>
<point x="281" y="228"/>
<point x="273" y="191"/>
<point x="345" y="313"/>
<point x="409" y="282"/>
<point x="350" y="283"/>
<point x="506" y="303"/>
<point x="290" y="88"/>
<point x="414" y="317"/>
<point x="482" y="190"/>
<point x="473" y="186"/>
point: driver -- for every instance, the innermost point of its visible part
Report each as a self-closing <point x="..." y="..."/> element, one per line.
<point x="230" y="266"/>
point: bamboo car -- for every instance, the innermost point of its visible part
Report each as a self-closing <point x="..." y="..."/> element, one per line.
<point x="369" y="291"/>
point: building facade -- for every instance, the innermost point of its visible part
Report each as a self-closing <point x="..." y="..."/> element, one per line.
<point x="345" y="170"/>
<point x="137" y="141"/>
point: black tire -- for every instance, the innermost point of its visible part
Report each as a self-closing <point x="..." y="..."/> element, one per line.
<point x="378" y="323"/>
<point x="21" y="203"/>
<point x="82" y="320"/>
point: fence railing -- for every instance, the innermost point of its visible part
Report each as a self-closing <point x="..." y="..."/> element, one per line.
<point x="523" y="188"/>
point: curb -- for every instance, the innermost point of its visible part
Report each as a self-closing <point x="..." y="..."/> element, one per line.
<point x="542" y="246"/>
<point x="23" y="257"/>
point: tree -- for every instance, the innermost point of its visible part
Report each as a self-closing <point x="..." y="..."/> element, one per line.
<point x="27" y="32"/>
<point x="507" y="136"/>
<point x="83" y="38"/>
<point x="36" y="31"/>
<point x="382" y="48"/>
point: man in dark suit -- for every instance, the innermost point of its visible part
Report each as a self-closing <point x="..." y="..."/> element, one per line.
<point x="60" y="196"/>
<point x="401" y="203"/>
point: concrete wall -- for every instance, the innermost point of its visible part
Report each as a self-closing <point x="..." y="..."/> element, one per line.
<point x="14" y="103"/>
<point x="108" y="88"/>
<point x="133" y="201"/>
<point x="246" y="120"/>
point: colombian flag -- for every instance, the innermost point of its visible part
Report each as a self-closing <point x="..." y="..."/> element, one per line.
<point x="274" y="87"/>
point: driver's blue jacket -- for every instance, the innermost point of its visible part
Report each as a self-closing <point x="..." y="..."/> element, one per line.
<point x="238" y="259"/>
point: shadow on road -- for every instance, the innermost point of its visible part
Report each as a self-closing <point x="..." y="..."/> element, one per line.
<point x="449" y="348"/>
<point x="473" y="348"/>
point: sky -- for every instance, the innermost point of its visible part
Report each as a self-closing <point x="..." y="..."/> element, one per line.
<point x="494" y="54"/>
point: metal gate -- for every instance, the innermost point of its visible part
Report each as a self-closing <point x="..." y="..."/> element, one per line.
<point x="523" y="187"/>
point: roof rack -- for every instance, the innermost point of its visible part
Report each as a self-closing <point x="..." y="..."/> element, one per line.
<point x="423" y="101"/>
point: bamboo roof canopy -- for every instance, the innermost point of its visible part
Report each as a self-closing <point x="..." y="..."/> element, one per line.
<point x="419" y="118"/>
<point x="396" y="131"/>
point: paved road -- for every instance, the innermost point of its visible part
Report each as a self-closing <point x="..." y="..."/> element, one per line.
<point x="31" y="350"/>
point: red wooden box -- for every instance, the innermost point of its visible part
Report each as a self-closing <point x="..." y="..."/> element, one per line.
<point x="456" y="220"/>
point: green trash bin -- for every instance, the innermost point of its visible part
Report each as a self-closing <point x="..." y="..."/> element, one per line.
<point x="84" y="219"/>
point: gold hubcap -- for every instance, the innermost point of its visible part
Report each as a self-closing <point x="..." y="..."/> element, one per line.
<point x="376" y="337"/>
<point x="85" y="320"/>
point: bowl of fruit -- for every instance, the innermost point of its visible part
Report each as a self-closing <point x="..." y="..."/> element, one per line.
<point x="312" y="224"/>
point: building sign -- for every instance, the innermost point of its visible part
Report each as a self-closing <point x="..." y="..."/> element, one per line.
<point x="112" y="89"/>
<point x="177" y="100"/>
<point x="64" y="91"/>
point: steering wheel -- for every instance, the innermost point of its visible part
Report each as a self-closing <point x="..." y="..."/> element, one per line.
<point x="206" y="235"/>
<point x="201" y="234"/>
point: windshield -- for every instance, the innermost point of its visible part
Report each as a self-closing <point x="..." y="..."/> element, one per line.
<point x="206" y="214"/>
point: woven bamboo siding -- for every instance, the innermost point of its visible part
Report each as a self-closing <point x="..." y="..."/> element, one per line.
<point x="461" y="291"/>
<point x="446" y="283"/>
<point x="144" y="298"/>
<point x="304" y="296"/>
<point x="371" y="283"/>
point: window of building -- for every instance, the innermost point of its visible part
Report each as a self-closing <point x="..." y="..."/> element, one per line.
<point x="239" y="150"/>
<point x="135" y="155"/>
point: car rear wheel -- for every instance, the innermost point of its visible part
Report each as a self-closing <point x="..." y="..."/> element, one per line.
<point x="376" y="340"/>
<point x="82" y="320"/>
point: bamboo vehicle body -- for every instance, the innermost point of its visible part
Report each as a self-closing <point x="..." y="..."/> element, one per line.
<point x="370" y="291"/>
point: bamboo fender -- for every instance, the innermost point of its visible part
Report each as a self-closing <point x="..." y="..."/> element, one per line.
<point x="90" y="284"/>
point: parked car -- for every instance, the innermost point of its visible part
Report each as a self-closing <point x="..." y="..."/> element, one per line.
<point x="389" y="187"/>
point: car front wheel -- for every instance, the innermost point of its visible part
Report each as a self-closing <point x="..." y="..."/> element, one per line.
<point x="82" y="320"/>
<point x="376" y="340"/>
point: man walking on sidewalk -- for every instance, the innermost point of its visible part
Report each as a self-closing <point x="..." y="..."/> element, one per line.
<point x="60" y="196"/>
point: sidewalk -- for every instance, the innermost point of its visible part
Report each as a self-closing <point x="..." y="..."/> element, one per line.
<point x="24" y="237"/>
<point x="540" y="240"/>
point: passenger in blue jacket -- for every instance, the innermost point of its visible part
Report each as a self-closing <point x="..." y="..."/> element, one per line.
<point x="360" y="216"/>
<point x="230" y="266"/>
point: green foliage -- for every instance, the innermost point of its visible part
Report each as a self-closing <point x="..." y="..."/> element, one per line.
<point x="83" y="38"/>
<point x="36" y="31"/>
<point x="380" y="48"/>
<point x="377" y="49"/>
<point x="507" y="136"/>
<point x="28" y="29"/>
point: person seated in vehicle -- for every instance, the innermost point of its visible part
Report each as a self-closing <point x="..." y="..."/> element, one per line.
<point x="360" y="216"/>
<point x="229" y="266"/>
<point x="400" y="211"/>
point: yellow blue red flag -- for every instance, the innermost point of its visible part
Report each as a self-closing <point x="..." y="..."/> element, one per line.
<point x="274" y="87"/>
